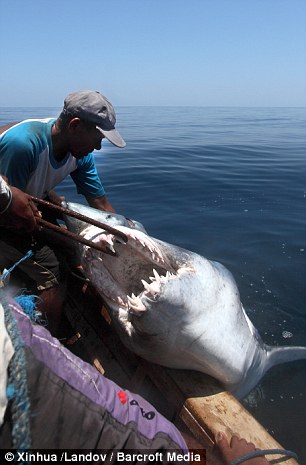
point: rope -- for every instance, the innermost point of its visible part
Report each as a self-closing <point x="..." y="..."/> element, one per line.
<point x="28" y="304"/>
<point x="260" y="453"/>
<point x="6" y="272"/>
<point x="17" y="391"/>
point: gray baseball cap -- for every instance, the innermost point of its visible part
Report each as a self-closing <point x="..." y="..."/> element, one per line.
<point x="93" y="107"/>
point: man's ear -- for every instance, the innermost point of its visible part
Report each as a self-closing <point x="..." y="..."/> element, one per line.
<point x="74" y="123"/>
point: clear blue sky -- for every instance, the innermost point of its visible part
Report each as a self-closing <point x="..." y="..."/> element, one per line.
<point x="154" y="52"/>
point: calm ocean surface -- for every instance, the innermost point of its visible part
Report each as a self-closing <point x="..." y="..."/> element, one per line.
<point x="230" y="184"/>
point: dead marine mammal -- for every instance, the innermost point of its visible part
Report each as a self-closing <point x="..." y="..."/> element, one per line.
<point x="174" y="307"/>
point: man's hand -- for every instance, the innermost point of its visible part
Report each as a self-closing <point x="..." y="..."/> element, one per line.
<point x="101" y="203"/>
<point x="22" y="212"/>
<point x="53" y="197"/>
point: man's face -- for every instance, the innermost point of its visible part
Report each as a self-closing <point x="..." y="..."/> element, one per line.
<point x="84" y="138"/>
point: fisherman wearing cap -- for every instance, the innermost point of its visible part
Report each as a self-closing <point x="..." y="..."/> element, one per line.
<point x="35" y="156"/>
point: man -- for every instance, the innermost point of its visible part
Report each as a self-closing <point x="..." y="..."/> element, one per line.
<point x="35" y="156"/>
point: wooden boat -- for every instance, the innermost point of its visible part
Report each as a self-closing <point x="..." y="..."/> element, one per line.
<point x="191" y="400"/>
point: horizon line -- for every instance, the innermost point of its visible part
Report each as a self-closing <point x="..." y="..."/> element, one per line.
<point x="167" y="106"/>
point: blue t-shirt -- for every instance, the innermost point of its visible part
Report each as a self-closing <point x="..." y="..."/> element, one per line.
<point x="27" y="159"/>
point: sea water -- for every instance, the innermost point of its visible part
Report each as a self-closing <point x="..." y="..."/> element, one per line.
<point x="229" y="184"/>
